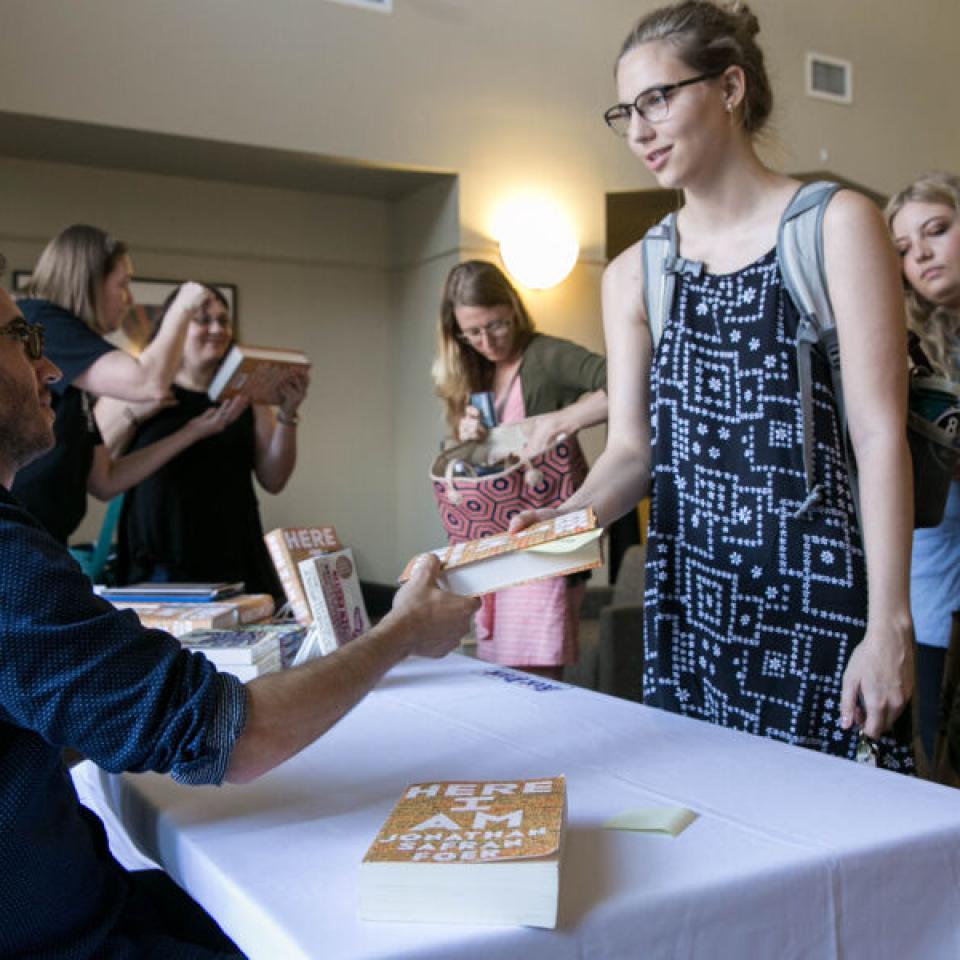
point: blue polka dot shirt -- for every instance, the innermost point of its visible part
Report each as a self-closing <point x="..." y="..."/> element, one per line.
<point x="75" y="672"/>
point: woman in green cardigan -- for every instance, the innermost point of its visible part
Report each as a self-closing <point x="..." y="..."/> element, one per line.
<point x="487" y="343"/>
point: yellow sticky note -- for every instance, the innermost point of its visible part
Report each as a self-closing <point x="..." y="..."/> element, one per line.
<point x="567" y="544"/>
<point x="672" y="820"/>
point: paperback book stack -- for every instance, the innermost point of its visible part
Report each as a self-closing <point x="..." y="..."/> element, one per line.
<point x="246" y="652"/>
<point x="486" y="852"/>
<point x="179" y="608"/>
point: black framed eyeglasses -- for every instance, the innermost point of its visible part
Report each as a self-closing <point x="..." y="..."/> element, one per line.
<point x="653" y="104"/>
<point x="29" y="334"/>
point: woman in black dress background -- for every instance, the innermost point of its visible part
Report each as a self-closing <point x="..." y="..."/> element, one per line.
<point x="197" y="518"/>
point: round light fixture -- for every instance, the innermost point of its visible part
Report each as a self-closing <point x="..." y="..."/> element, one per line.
<point x="537" y="242"/>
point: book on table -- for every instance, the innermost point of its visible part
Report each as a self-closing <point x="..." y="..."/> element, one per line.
<point x="569" y="543"/>
<point x="337" y="610"/>
<point x="169" y="592"/>
<point x="248" y="651"/>
<point x="485" y="852"/>
<point x="255" y="372"/>
<point x="288" y="546"/>
<point x="179" y="618"/>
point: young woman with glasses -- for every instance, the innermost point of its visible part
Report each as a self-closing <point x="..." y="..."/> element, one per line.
<point x="755" y="619"/>
<point x="487" y="343"/>
<point x="197" y="518"/>
<point x="924" y="220"/>
<point x="79" y="292"/>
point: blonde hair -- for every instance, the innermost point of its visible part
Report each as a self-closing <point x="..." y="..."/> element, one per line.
<point x="459" y="369"/>
<point x="937" y="326"/>
<point x="72" y="268"/>
<point x="709" y="38"/>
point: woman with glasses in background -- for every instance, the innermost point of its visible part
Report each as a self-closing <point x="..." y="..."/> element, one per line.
<point x="197" y="518"/>
<point x="488" y="344"/>
<point x="79" y="292"/>
<point x="924" y="220"/>
<point x="756" y="609"/>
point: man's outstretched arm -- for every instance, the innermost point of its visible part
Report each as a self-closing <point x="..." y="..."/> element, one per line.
<point x="287" y="711"/>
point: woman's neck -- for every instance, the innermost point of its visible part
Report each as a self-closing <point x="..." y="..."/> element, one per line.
<point x="195" y="378"/>
<point x="730" y="216"/>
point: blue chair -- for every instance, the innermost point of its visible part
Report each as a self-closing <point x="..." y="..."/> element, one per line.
<point x="93" y="557"/>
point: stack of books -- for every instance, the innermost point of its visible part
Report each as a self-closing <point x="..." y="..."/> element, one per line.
<point x="180" y="607"/>
<point x="246" y="652"/>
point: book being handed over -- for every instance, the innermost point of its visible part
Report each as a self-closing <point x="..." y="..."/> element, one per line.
<point x="255" y="372"/>
<point x="565" y="544"/>
<point x="485" y="852"/>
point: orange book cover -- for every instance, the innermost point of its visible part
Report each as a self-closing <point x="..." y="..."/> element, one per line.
<point x="289" y="546"/>
<point x="468" y="852"/>
<point x="462" y="822"/>
<point x="255" y="372"/>
<point x="565" y="544"/>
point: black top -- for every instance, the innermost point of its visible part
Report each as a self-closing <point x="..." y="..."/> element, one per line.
<point x="54" y="487"/>
<point x="197" y="518"/>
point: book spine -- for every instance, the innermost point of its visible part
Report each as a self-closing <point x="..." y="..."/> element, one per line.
<point x="317" y="599"/>
<point x="289" y="575"/>
<point x="256" y="607"/>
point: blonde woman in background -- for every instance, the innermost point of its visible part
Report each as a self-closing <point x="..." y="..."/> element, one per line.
<point x="487" y="342"/>
<point x="924" y="220"/>
<point x="79" y="292"/>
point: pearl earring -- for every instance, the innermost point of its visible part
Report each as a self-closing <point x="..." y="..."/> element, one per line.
<point x="729" y="107"/>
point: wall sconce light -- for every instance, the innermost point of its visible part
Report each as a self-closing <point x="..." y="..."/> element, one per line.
<point x="537" y="243"/>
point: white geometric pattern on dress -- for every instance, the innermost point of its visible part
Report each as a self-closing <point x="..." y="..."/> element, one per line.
<point x="751" y="612"/>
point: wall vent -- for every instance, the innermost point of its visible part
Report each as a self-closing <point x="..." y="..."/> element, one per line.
<point x="383" y="6"/>
<point x="829" y="78"/>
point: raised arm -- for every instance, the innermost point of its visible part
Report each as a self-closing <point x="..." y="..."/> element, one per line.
<point x="620" y="477"/>
<point x="287" y="711"/>
<point x="864" y="280"/>
<point x="147" y="377"/>
<point x="544" y="430"/>
<point x="276" y="434"/>
<point x="112" y="473"/>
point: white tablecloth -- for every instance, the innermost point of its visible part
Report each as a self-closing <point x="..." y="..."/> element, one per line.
<point x="794" y="854"/>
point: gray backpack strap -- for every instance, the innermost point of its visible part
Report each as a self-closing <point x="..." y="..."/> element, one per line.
<point x="661" y="264"/>
<point x="658" y="248"/>
<point x="800" y="255"/>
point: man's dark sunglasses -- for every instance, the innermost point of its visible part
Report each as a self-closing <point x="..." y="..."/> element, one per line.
<point x="29" y="334"/>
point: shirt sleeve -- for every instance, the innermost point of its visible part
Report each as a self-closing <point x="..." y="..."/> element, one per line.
<point x="82" y="674"/>
<point x="68" y="341"/>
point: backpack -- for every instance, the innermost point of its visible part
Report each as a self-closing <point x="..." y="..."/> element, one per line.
<point x="800" y="257"/>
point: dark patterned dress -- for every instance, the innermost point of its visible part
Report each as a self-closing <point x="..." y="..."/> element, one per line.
<point x="751" y="610"/>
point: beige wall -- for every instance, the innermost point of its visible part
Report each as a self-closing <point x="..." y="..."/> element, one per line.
<point x="506" y="93"/>
<point x="312" y="272"/>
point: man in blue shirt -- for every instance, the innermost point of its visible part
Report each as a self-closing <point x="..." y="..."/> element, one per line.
<point x="75" y="672"/>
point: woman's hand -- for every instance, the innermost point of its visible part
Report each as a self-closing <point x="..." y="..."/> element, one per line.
<point x="470" y="426"/>
<point x="542" y="432"/>
<point x="878" y="681"/>
<point x="528" y="518"/>
<point x="216" y="419"/>
<point x="189" y="300"/>
<point x="293" y="391"/>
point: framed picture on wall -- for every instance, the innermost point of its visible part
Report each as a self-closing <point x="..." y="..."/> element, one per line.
<point x="148" y="299"/>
